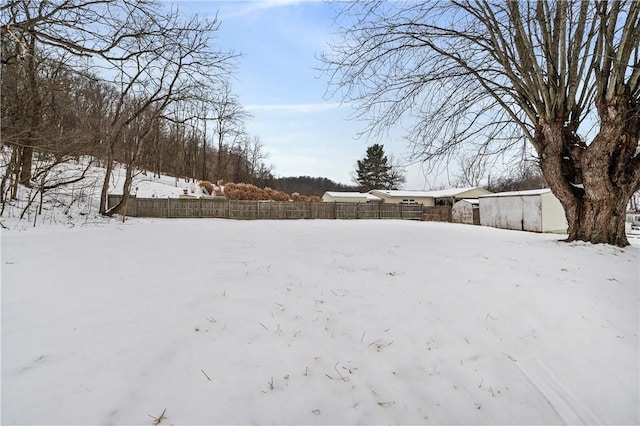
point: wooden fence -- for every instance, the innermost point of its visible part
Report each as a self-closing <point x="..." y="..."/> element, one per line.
<point x="235" y="209"/>
<point x="437" y="214"/>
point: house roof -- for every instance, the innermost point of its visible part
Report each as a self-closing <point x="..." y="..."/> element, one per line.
<point x="369" y="197"/>
<point x="518" y="193"/>
<point x="443" y="193"/>
<point x="471" y="200"/>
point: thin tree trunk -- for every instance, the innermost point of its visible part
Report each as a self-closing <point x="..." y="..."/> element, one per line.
<point x="9" y="171"/>
<point x="121" y="207"/>
<point x="104" y="193"/>
<point x="26" y="161"/>
<point x="26" y="153"/>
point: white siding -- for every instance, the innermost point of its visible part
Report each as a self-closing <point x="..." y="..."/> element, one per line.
<point x="536" y="211"/>
<point x="331" y="199"/>
<point x="409" y="199"/>
<point x="349" y="197"/>
<point x="427" y="198"/>
<point x="521" y="213"/>
<point x="553" y="216"/>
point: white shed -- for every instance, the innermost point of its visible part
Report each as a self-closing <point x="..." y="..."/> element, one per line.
<point x="466" y="211"/>
<point x="349" y="197"/>
<point x="536" y="210"/>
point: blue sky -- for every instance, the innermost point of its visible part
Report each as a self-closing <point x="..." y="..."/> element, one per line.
<point x="279" y="83"/>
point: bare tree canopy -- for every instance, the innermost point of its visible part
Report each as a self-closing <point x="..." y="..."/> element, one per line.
<point x="137" y="66"/>
<point x="484" y="76"/>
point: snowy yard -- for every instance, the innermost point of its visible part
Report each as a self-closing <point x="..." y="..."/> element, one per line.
<point x="315" y="322"/>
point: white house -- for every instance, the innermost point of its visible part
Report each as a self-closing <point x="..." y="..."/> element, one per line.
<point x="349" y="197"/>
<point x="428" y="198"/>
<point x="536" y="210"/>
<point x="466" y="210"/>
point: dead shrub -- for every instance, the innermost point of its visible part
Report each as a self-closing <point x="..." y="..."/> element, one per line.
<point x="244" y="191"/>
<point x="276" y="195"/>
<point x="305" y="198"/>
<point x="207" y="187"/>
<point x="233" y="192"/>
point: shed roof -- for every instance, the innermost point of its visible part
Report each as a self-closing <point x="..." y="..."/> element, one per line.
<point x="527" y="193"/>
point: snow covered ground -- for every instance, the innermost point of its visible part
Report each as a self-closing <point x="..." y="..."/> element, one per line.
<point x="77" y="204"/>
<point x="315" y="322"/>
<point x="308" y="322"/>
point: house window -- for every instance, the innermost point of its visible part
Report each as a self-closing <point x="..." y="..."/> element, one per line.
<point x="409" y="201"/>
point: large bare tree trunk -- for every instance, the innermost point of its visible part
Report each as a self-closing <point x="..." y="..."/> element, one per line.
<point x="609" y="172"/>
<point x="593" y="183"/>
<point x="599" y="220"/>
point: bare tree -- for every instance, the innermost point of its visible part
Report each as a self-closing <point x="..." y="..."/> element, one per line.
<point x="472" y="170"/>
<point x="170" y="66"/>
<point x="255" y="157"/>
<point x="219" y="109"/>
<point x="153" y="55"/>
<point x="75" y="29"/>
<point x="562" y="75"/>
<point x="51" y="112"/>
<point x="228" y="122"/>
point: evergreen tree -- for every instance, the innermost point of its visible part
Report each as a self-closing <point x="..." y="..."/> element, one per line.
<point x="375" y="171"/>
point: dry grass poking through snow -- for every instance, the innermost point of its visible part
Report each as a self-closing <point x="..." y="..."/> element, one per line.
<point x="315" y="322"/>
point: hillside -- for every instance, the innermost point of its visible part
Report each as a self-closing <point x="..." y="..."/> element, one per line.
<point x="308" y="185"/>
<point x="79" y="202"/>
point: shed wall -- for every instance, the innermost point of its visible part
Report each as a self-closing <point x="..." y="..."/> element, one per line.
<point x="553" y="216"/>
<point x="523" y="213"/>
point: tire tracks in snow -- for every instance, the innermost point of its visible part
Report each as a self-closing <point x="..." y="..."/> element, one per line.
<point x="569" y="408"/>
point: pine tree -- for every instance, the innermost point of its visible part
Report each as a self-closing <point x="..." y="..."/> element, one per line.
<point x="375" y="172"/>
